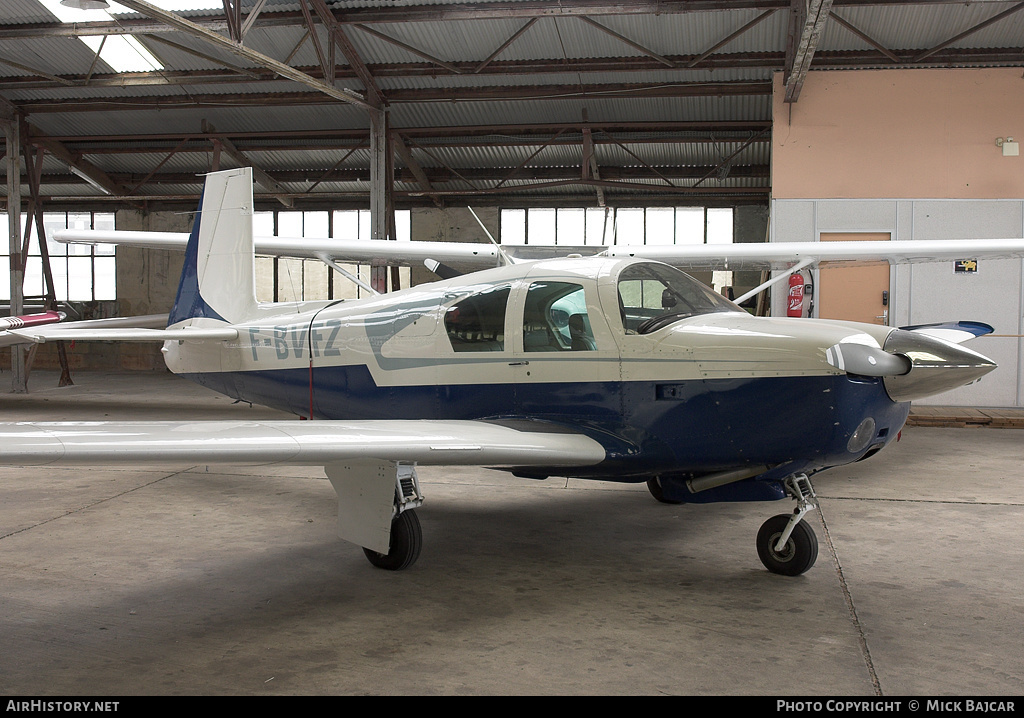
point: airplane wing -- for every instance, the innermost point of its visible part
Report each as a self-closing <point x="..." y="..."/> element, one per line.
<point x="782" y="255"/>
<point x="955" y="332"/>
<point x="469" y="256"/>
<point x="464" y="255"/>
<point x="362" y="459"/>
<point x="318" y="442"/>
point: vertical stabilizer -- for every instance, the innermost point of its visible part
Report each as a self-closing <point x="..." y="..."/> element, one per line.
<point x="218" y="278"/>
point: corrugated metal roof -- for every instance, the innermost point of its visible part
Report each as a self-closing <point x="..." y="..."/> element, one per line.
<point x="925" y="26"/>
<point x="554" y="95"/>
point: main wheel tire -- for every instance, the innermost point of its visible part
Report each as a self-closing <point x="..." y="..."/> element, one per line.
<point x="654" y="486"/>
<point x="406" y="542"/>
<point x="799" y="553"/>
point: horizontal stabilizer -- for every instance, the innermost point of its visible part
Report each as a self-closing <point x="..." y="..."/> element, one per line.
<point x="68" y="334"/>
<point x="955" y="332"/>
<point x="111" y="329"/>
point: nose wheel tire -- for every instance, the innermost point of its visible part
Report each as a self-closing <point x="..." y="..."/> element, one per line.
<point x="796" y="556"/>
<point x="406" y="542"/>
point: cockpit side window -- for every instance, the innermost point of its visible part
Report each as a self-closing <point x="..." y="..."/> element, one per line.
<point x="477" y="322"/>
<point x="652" y="295"/>
<point x="555" y="318"/>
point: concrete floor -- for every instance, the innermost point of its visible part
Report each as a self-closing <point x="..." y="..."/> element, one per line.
<point x="184" y="580"/>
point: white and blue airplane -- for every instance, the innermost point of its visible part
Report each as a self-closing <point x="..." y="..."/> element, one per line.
<point x="616" y="367"/>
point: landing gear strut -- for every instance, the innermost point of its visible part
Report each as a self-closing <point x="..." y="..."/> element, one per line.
<point x="785" y="544"/>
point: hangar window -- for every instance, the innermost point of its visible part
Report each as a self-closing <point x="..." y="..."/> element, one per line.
<point x="477" y="323"/>
<point x="555" y="318"/>
<point x="81" y="272"/>
<point x="291" y="279"/>
<point x="577" y="226"/>
<point x="601" y="226"/>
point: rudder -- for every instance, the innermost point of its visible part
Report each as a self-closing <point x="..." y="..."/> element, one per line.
<point x="218" y="277"/>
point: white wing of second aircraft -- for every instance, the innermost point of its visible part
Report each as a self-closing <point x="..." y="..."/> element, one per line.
<point x="469" y="256"/>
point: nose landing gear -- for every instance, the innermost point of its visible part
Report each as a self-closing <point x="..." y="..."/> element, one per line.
<point x="785" y="544"/>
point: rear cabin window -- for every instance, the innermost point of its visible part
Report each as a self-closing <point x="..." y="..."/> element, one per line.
<point x="477" y="323"/>
<point x="555" y="318"/>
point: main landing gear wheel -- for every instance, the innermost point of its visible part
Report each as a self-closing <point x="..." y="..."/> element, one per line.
<point x="654" y="486"/>
<point x="798" y="553"/>
<point x="406" y="542"/>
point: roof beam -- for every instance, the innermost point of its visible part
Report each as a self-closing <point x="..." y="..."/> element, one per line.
<point x="326" y="63"/>
<point x="80" y="166"/>
<point x="436" y="176"/>
<point x="251" y="18"/>
<point x="123" y="76"/>
<point x="342" y="42"/>
<point x="414" y="50"/>
<point x="37" y="73"/>
<point x="421" y="177"/>
<point x="725" y="41"/>
<point x="970" y="31"/>
<point x="233" y="16"/>
<point x="259" y="176"/>
<point x="832" y="59"/>
<point x="635" y="45"/>
<point x="501" y="48"/>
<point x="817" y="12"/>
<point x="191" y="28"/>
<point x="446" y="94"/>
<point x="433" y="13"/>
<point x="865" y="37"/>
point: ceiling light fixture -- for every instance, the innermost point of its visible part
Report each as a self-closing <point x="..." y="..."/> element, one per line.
<point x="86" y="4"/>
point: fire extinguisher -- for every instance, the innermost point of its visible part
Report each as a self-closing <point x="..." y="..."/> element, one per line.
<point x="796" y="295"/>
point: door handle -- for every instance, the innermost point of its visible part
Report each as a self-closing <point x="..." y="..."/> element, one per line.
<point x="518" y="363"/>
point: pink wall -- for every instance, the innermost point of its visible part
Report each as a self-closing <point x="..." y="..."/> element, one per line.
<point x="899" y="134"/>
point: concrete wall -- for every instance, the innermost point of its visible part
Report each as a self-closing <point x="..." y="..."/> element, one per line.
<point x="913" y="153"/>
<point x="899" y="133"/>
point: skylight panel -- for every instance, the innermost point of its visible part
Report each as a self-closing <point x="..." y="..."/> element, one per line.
<point x="124" y="53"/>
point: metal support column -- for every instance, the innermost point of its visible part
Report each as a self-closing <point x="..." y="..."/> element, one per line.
<point x="379" y="190"/>
<point x="19" y="383"/>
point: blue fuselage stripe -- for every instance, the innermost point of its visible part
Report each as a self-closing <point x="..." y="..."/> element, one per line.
<point x="647" y="427"/>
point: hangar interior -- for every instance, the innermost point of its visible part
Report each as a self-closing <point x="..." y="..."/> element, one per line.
<point x="575" y="122"/>
<point x="565" y="122"/>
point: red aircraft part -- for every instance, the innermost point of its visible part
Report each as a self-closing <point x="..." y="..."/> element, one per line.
<point x="31" y="320"/>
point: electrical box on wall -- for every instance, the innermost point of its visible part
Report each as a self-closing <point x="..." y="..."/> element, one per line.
<point x="1010" y="147"/>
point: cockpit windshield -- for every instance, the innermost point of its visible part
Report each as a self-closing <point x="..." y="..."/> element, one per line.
<point x="654" y="295"/>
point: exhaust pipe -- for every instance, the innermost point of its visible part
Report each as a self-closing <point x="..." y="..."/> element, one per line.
<point x="721" y="478"/>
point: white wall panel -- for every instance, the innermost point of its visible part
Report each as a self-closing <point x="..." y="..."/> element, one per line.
<point x="933" y="292"/>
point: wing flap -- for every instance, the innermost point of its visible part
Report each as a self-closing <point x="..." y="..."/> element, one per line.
<point x="437" y="443"/>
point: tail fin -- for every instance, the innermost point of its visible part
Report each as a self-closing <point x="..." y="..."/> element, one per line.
<point x="218" y="278"/>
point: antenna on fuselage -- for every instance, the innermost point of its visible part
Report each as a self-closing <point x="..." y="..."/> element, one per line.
<point x="506" y="259"/>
